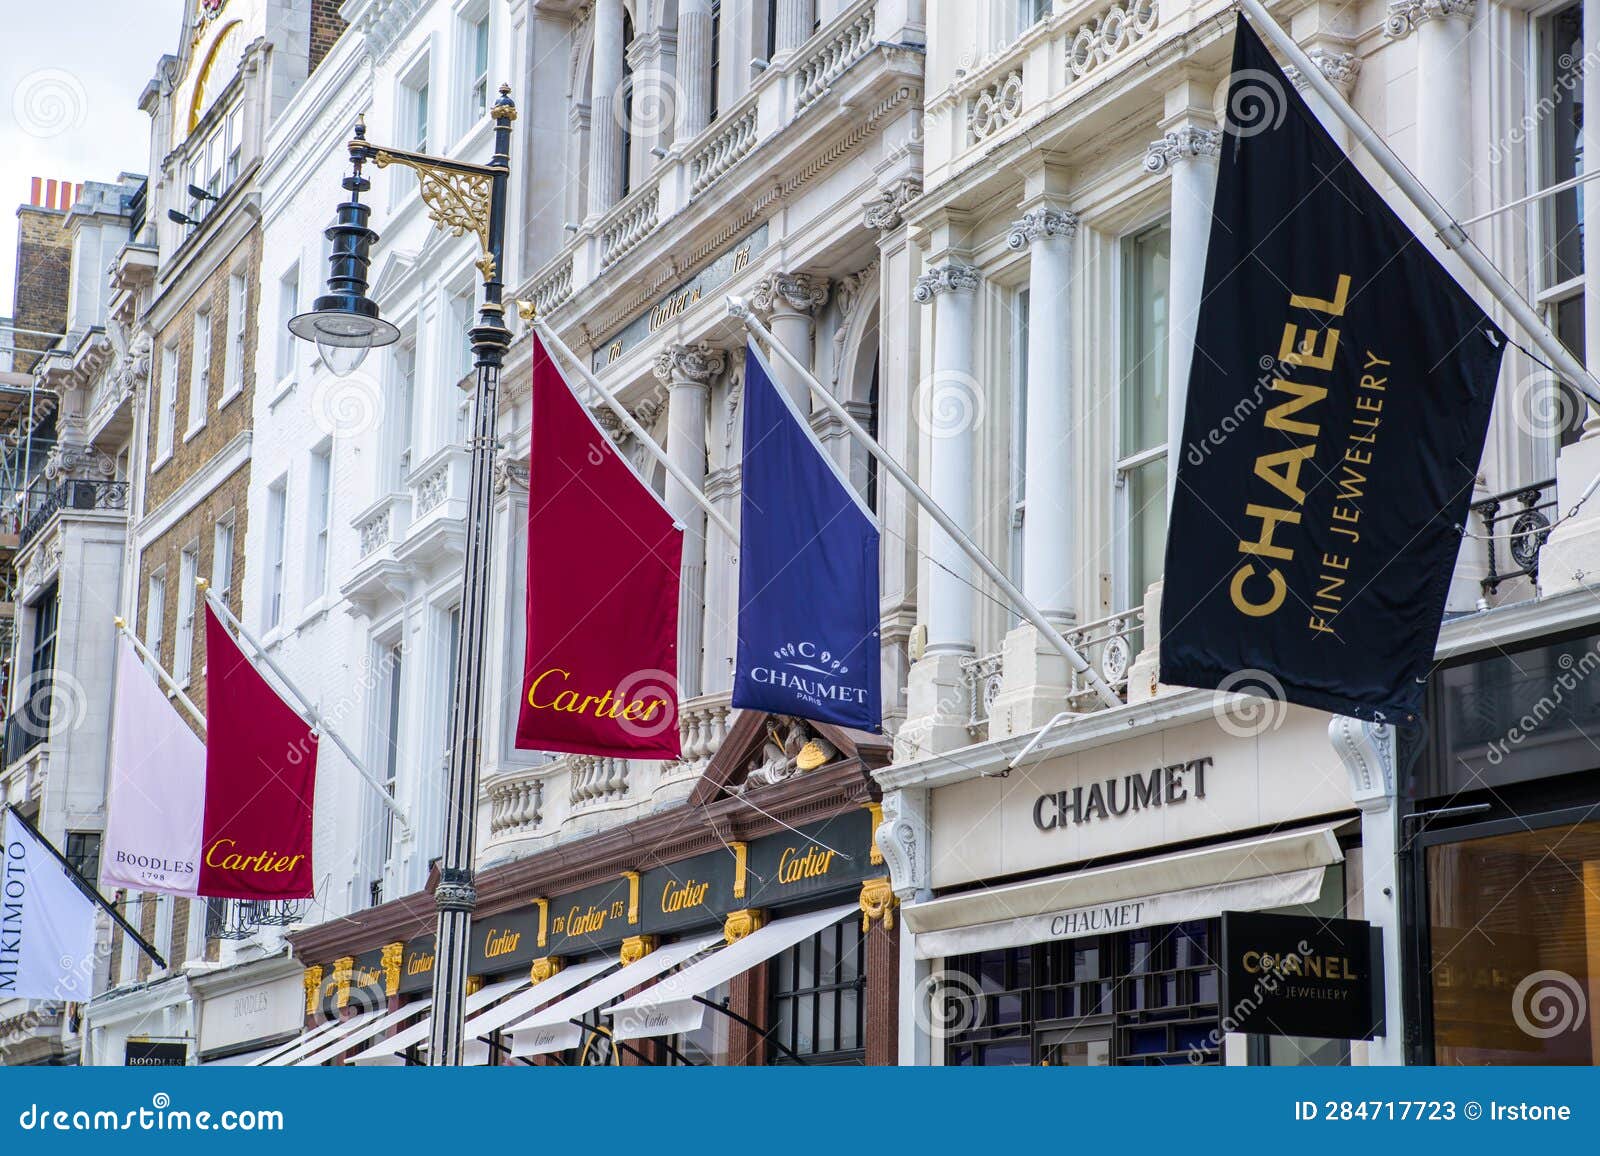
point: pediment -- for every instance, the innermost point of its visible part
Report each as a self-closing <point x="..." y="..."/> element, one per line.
<point x="763" y="750"/>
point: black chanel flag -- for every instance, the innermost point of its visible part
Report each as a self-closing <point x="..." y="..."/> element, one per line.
<point x="1338" y="404"/>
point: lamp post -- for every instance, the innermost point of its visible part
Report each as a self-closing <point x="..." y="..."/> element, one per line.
<point x="461" y="198"/>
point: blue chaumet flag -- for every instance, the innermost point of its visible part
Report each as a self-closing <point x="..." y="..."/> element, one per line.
<point x="808" y="572"/>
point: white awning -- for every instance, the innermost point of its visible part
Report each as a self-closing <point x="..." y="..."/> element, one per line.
<point x="314" y="1041"/>
<point x="669" y="1007"/>
<point x="1279" y="870"/>
<point x="552" y="1029"/>
<point x="242" y="1059"/>
<point x="337" y="1045"/>
<point x="391" y="1052"/>
<point x="475" y="1052"/>
<point x="310" y="1036"/>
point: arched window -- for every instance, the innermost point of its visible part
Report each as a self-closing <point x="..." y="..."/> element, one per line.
<point x="627" y="105"/>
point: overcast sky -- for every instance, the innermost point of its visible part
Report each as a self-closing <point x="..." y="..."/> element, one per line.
<point x="70" y="78"/>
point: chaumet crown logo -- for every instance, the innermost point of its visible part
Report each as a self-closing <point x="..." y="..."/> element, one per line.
<point x="808" y="657"/>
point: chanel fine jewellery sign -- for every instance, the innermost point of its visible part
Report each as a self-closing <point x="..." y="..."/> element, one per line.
<point x="1297" y="975"/>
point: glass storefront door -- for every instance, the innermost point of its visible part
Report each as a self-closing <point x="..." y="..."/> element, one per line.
<point x="1513" y="942"/>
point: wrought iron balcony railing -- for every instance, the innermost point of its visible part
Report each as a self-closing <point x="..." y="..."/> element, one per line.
<point x="1515" y="524"/>
<point x="73" y="494"/>
<point x="242" y="918"/>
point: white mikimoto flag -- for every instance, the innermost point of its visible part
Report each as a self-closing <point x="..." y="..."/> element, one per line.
<point x="46" y="922"/>
<point x="157" y="796"/>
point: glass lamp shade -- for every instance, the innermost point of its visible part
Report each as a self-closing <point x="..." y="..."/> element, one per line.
<point x="343" y="336"/>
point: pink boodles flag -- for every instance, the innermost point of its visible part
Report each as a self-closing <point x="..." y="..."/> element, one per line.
<point x="157" y="790"/>
<point x="261" y="776"/>
<point x="600" y="676"/>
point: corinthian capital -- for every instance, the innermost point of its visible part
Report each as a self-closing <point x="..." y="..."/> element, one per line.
<point x="796" y="292"/>
<point x="951" y="277"/>
<point x="1036" y="223"/>
<point x="697" y="364"/>
<point x="1405" y="15"/>
<point x="1180" y="145"/>
<point x="1341" y="69"/>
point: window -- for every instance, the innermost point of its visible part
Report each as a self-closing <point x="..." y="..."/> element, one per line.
<point x="319" y="513"/>
<point x="277" y="512"/>
<point x="235" y="131"/>
<point x="1512" y="920"/>
<point x="1029" y="13"/>
<point x="35" y="710"/>
<point x="413" y="114"/>
<point x="1558" y="142"/>
<point x="1019" y="429"/>
<point x="716" y="56"/>
<point x="155" y="613"/>
<point x="772" y="28"/>
<point x="818" y="1000"/>
<point x="166" y="404"/>
<point x="458" y="350"/>
<point x="83" y="853"/>
<point x="233" y="351"/>
<point x="183" y="636"/>
<point x="393" y="720"/>
<point x="707" y="1045"/>
<point x="1145" y="997"/>
<point x="222" y="556"/>
<point x="404" y="394"/>
<point x="1141" y="472"/>
<point x="288" y="306"/>
<point x="627" y="103"/>
<point x="478" y="69"/>
<point x="199" y="372"/>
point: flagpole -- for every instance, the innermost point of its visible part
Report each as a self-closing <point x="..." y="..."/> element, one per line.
<point x="738" y="308"/>
<point x="161" y="672"/>
<point x="312" y="714"/>
<point x="89" y="889"/>
<point x="1448" y="229"/>
<point x="630" y="424"/>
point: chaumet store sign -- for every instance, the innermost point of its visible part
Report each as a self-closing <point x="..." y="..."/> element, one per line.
<point x="1190" y="782"/>
<point x="815" y="862"/>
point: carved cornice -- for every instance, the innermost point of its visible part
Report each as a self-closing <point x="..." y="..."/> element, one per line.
<point x="1037" y="223"/>
<point x="902" y="839"/>
<point x="791" y="292"/>
<point x="951" y="277"/>
<point x="885" y="212"/>
<point x="697" y="364"/>
<point x="1340" y="68"/>
<point x="1181" y="144"/>
<point x="1405" y="15"/>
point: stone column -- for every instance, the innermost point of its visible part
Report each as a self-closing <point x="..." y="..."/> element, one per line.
<point x="945" y="405"/>
<point x="694" y="68"/>
<point x="794" y="27"/>
<point x="1189" y="153"/>
<point x="1444" y="71"/>
<point x="790" y="300"/>
<point x="1341" y="68"/>
<point x="902" y="838"/>
<point x="688" y="371"/>
<point x="1367" y="751"/>
<point x="1035" y="677"/>
<point x="1591" y="203"/>
<point x="654" y="60"/>
<point x="605" y="107"/>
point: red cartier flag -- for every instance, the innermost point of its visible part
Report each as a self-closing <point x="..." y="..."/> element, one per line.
<point x="600" y="676"/>
<point x="261" y="777"/>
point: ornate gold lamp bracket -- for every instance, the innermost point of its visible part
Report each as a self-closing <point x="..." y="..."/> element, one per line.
<point x="457" y="196"/>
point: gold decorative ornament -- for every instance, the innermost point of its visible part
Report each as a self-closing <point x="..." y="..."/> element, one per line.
<point x="741" y="867"/>
<point x="394" y="955"/>
<point x="633" y="896"/>
<point x="457" y="198"/>
<point x="636" y="947"/>
<point x="342" y="971"/>
<point x="742" y="923"/>
<point x="313" y="982"/>
<point x="544" y="919"/>
<point x="503" y="109"/>
<point x="878" y="903"/>
<point x="527" y="309"/>
<point x="474" y="984"/>
<point x="811" y="756"/>
<point x="544" y="967"/>
<point x="875" y="856"/>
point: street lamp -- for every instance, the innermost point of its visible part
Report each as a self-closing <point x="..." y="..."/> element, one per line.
<point x="461" y="198"/>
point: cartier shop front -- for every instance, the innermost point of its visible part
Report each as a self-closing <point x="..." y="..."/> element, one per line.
<point x="715" y="933"/>
<point x="1075" y="905"/>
